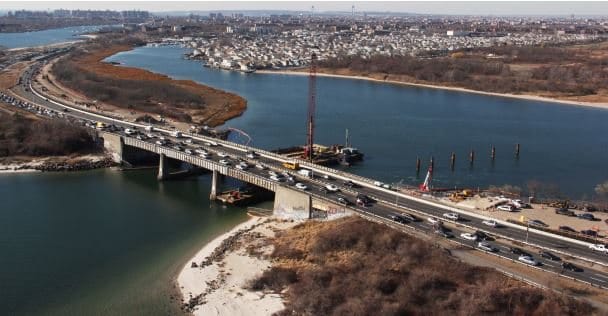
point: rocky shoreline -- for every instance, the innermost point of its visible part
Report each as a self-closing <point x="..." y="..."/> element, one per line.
<point x="57" y="165"/>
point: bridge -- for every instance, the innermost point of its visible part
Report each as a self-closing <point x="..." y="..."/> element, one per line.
<point x="314" y="201"/>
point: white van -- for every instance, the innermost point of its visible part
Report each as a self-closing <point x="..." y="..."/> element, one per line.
<point x="305" y="172"/>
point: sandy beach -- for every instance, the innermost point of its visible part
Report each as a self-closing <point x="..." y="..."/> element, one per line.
<point x="216" y="285"/>
<point x="505" y="95"/>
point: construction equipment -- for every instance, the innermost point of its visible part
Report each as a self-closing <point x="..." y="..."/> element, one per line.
<point x="312" y="87"/>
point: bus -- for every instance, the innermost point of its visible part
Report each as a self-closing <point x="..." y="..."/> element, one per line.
<point x="291" y="165"/>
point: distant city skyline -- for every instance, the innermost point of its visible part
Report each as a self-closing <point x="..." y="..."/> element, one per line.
<point x="440" y="7"/>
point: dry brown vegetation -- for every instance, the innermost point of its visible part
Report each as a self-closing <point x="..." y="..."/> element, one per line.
<point x="85" y="72"/>
<point x="354" y="267"/>
<point x="576" y="72"/>
<point x="23" y="136"/>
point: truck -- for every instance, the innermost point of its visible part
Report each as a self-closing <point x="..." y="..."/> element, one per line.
<point x="100" y="125"/>
<point x="177" y="134"/>
<point x="291" y="165"/>
<point x="599" y="247"/>
<point x="149" y="128"/>
<point x="305" y="172"/>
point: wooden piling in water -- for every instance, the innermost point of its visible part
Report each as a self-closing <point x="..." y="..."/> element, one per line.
<point x="472" y="156"/>
<point x="493" y="154"/>
<point x="453" y="160"/>
<point x="417" y="165"/>
<point x="517" y="150"/>
<point x="432" y="163"/>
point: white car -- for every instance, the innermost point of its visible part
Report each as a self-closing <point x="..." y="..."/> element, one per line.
<point x="599" y="247"/>
<point x="205" y="155"/>
<point x="506" y="207"/>
<point x="252" y="155"/>
<point x="225" y="162"/>
<point x="260" y="166"/>
<point x="486" y="246"/>
<point x="276" y="178"/>
<point x="490" y="222"/>
<point x="301" y="186"/>
<point x="433" y="220"/>
<point x="452" y="216"/>
<point x="272" y="173"/>
<point x="222" y="154"/>
<point x="468" y="236"/>
<point x="528" y="260"/>
<point x="331" y="188"/>
<point x="188" y="151"/>
<point x="241" y="167"/>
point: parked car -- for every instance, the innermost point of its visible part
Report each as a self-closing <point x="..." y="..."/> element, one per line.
<point x="570" y="267"/>
<point x="468" y="236"/>
<point x="589" y="232"/>
<point x="452" y="216"/>
<point x="587" y="216"/>
<point x="528" y="260"/>
<point x="564" y="211"/>
<point x="566" y="229"/>
<point x="486" y="246"/>
<point x="547" y="255"/>
<point x="506" y="207"/>
<point x="490" y="222"/>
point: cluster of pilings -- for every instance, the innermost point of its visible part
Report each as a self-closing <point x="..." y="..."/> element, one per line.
<point x="471" y="158"/>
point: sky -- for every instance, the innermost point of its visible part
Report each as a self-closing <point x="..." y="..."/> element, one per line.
<point x="425" y="7"/>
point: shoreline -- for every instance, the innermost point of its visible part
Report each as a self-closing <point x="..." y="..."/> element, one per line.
<point x="528" y="97"/>
<point x="213" y="281"/>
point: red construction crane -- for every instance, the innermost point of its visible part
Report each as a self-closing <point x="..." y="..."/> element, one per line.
<point x="312" y="90"/>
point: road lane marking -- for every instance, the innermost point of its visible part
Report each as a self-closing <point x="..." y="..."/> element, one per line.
<point x="597" y="279"/>
<point x="601" y="276"/>
<point x="549" y="265"/>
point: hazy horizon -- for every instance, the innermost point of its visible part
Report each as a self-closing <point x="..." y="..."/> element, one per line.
<point x="531" y="8"/>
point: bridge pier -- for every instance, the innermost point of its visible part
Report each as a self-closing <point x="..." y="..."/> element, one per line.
<point x="214" y="181"/>
<point x="162" y="168"/>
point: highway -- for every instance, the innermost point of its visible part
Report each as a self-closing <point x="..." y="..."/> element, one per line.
<point x="388" y="203"/>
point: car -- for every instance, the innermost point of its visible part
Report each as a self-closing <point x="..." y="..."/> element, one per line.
<point x="378" y="183"/>
<point x="443" y="233"/>
<point x="537" y="223"/>
<point x="277" y="178"/>
<point x="398" y="218"/>
<point x="452" y="216"/>
<point x="599" y="247"/>
<point x="272" y="173"/>
<point x="200" y="151"/>
<point x="327" y="177"/>
<point x="570" y="267"/>
<point x="188" y="151"/>
<point x="222" y="154"/>
<point x="342" y="200"/>
<point x="260" y="166"/>
<point x="363" y="199"/>
<point x="566" y="229"/>
<point x="350" y="184"/>
<point x="564" y="211"/>
<point x="506" y="207"/>
<point x="481" y="235"/>
<point x="242" y="166"/>
<point x="518" y="251"/>
<point x="486" y="246"/>
<point x="433" y="220"/>
<point x="468" y="236"/>
<point x="161" y="142"/>
<point x="528" y="260"/>
<point x="189" y="140"/>
<point x="205" y="156"/>
<point x="331" y="188"/>
<point x="490" y="222"/>
<point x="225" y="162"/>
<point x="586" y="216"/>
<point x="178" y="148"/>
<point x="589" y="232"/>
<point x="252" y="155"/>
<point x="410" y="217"/>
<point x="301" y="186"/>
<point x="547" y="255"/>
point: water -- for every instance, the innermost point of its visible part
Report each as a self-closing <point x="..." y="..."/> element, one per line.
<point x="393" y="124"/>
<point x="52" y="36"/>
<point x="101" y="242"/>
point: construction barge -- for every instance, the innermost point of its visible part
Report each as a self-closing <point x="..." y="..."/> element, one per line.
<point x="325" y="155"/>
<point x="243" y="196"/>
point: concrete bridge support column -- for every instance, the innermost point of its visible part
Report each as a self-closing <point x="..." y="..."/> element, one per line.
<point x="162" y="168"/>
<point x="214" y="181"/>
